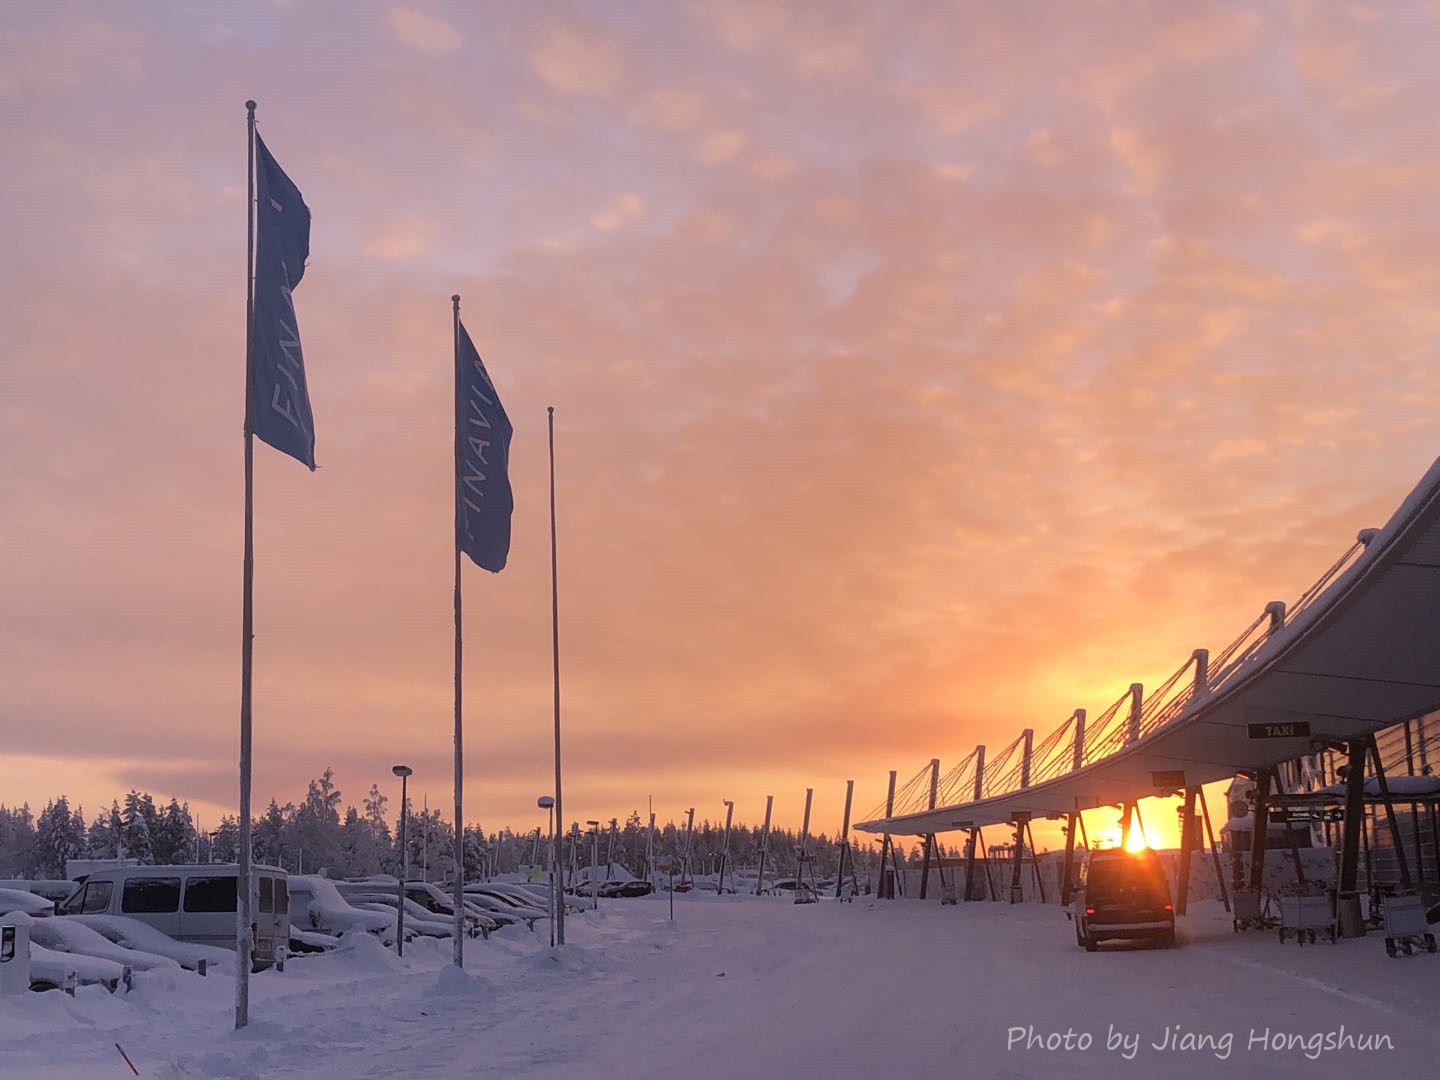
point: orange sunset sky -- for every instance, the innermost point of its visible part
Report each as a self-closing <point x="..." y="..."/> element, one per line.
<point x="922" y="371"/>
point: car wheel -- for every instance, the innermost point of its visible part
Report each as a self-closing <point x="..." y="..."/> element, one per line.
<point x="1089" y="943"/>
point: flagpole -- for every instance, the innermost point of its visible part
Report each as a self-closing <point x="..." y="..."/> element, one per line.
<point x="555" y="654"/>
<point x="244" y="918"/>
<point x="459" y="741"/>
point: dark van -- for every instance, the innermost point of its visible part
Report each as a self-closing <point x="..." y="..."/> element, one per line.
<point x="1124" y="894"/>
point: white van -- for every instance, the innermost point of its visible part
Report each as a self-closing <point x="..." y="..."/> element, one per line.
<point x="189" y="903"/>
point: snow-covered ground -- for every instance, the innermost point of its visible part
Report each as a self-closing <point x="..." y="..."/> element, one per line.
<point x="758" y="988"/>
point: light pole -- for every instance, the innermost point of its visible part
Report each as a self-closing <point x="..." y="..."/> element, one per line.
<point x="402" y="771"/>
<point x="725" y="848"/>
<point x="545" y="802"/>
<point x="594" y="864"/>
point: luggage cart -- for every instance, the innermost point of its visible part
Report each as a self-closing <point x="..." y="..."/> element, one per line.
<point x="1405" y="925"/>
<point x="1305" y="913"/>
<point x="1249" y="914"/>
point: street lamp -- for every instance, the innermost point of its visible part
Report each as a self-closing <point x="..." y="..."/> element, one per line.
<point x="594" y="864"/>
<point x="545" y="802"/>
<point x="725" y="849"/>
<point x="403" y="772"/>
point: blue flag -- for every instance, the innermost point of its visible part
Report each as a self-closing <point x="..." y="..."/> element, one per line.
<point x="483" y="501"/>
<point x="279" y="402"/>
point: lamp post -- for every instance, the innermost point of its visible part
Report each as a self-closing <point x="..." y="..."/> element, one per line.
<point x="545" y="802"/>
<point x="403" y="772"/>
<point x="594" y="864"/>
<point x="725" y="848"/>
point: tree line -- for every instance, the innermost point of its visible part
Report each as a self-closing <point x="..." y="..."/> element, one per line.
<point x="316" y="835"/>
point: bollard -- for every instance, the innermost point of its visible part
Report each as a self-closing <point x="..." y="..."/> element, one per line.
<point x="201" y="967"/>
<point x="128" y="978"/>
<point x="280" y="959"/>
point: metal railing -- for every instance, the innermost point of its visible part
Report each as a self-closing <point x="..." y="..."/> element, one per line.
<point x="1112" y="730"/>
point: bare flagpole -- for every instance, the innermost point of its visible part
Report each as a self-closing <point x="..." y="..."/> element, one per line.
<point x="243" y="915"/>
<point x="459" y="898"/>
<point x="555" y="654"/>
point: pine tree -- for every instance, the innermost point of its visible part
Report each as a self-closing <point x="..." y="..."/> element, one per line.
<point x="135" y="828"/>
<point x="174" y="835"/>
<point x="56" y="839"/>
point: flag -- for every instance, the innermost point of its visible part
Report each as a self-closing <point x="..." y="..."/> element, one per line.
<point x="279" y="405"/>
<point x="483" y="501"/>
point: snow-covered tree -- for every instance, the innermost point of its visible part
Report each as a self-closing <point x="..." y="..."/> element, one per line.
<point x="57" y="838"/>
<point x="174" y="836"/>
<point x="137" y="821"/>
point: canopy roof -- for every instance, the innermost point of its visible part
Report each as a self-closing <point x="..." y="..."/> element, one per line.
<point x="1357" y="653"/>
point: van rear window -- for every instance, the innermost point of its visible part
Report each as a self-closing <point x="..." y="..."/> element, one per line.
<point x="151" y="895"/>
<point x="266" y="888"/>
<point x="210" y="894"/>
<point x="282" y="896"/>
<point x="1129" y="875"/>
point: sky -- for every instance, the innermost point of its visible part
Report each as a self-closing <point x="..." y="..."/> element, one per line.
<point x="921" y="372"/>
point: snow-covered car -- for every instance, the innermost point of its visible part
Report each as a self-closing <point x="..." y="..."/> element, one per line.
<point x="51" y="969"/>
<point x="69" y="936"/>
<point x="439" y="902"/>
<point x="502" y="907"/>
<point x="315" y="904"/>
<point x="415" y="925"/>
<point x="134" y="934"/>
<point x="52" y="889"/>
<point x="28" y="902"/>
<point x="418" y="918"/>
<point x="311" y="941"/>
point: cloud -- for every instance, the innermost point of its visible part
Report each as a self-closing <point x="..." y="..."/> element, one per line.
<point x="622" y="212"/>
<point x="872" y="442"/>
<point x="577" y="64"/>
<point x="408" y="238"/>
<point x="428" y="34"/>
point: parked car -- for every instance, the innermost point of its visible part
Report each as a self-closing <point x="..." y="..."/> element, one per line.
<point x="316" y="905"/>
<point x="439" y="902"/>
<point x="1123" y="895"/>
<point x="420" y="919"/>
<point x="194" y="903"/>
<point x="32" y="904"/>
<point x="501" y="906"/>
<point x="53" y="889"/>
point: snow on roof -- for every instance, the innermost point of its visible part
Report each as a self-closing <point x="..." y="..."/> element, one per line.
<point x="1401" y="787"/>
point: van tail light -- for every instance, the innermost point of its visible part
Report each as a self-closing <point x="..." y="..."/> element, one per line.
<point x="1169" y="907"/>
<point x="1089" y="911"/>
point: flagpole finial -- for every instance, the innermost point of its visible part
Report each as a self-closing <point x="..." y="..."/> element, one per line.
<point x="455" y="299"/>
<point x="550" y="409"/>
<point x="250" y="106"/>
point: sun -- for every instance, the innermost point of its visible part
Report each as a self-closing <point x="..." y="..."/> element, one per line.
<point x="1137" y="839"/>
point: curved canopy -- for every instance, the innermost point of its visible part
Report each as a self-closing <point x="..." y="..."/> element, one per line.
<point x="1357" y="655"/>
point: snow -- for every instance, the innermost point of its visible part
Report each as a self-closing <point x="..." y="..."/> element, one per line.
<point x="134" y="934"/>
<point x="63" y="934"/>
<point x="1401" y="787"/>
<point x="745" y="987"/>
<point x="28" y="902"/>
<point x="315" y="904"/>
<point x="49" y="888"/>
